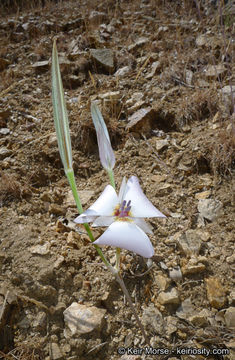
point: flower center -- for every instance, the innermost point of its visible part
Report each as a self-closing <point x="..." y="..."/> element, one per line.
<point x="122" y="211"/>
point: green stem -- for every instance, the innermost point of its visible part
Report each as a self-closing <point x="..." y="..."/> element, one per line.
<point x="70" y="175"/>
<point x="72" y="183"/>
<point x="111" y="178"/>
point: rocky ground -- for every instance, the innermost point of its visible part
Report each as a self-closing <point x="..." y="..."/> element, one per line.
<point x="163" y="73"/>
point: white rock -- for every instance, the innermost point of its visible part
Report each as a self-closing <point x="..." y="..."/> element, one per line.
<point x="122" y="71"/>
<point x="55" y="351"/>
<point x="189" y="242"/>
<point x="230" y="317"/>
<point x="209" y="209"/>
<point x="82" y="319"/>
<point x="40" y="249"/>
<point x="169" y="297"/>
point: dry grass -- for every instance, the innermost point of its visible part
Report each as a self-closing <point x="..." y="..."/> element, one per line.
<point x="222" y="158"/>
<point x="24" y="352"/>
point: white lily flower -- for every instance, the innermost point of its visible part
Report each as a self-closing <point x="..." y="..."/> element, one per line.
<point x="123" y="214"/>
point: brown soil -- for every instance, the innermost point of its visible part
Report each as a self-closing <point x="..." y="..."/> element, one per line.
<point x="189" y="111"/>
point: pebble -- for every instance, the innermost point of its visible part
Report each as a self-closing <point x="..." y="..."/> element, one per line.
<point x="185" y="309"/>
<point x="4" y="131"/>
<point x="152" y="317"/>
<point x="103" y="58"/>
<point x="232" y="298"/>
<point x="141" y="120"/>
<point x="175" y="274"/>
<point x="162" y="282"/>
<point x="170" y="297"/>
<point x="193" y="266"/>
<point x="161" y="145"/>
<point x="230" y="317"/>
<point x="4" y="152"/>
<point x="55" y="351"/>
<point x="122" y="71"/>
<point x="213" y="71"/>
<point x="203" y="195"/>
<point x="215" y="292"/>
<point x="200" y="319"/>
<point x="156" y="65"/>
<point x="59" y="261"/>
<point x="209" y="209"/>
<point x="40" y="249"/>
<point x="40" y="321"/>
<point x="189" y="242"/>
<point x="139" y="43"/>
<point x="82" y="319"/>
<point x="41" y="66"/>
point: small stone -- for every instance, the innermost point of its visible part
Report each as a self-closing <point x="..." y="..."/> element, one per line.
<point x="55" y="351"/>
<point x="215" y="292"/>
<point x="189" y="242"/>
<point x="103" y="58"/>
<point x="189" y="77"/>
<point x="152" y="317"/>
<point x="164" y="190"/>
<point x="214" y="71"/>
<point x="74" y="239"/>
<point x="231" y="259"/>
<point x="162" y="282"/>
<point x="201" y="318"/>
<point x="122" y="71"/>
<point x="41" y="66"/>
<point x="59" y="261"/>
<point x="203" y="195"/>
<point x="175" y="274"/>
<point x="154" y="69"/>
<point x="4" y="131"/>
<point x="82" y="319"/>
<point x="171" y="325"/>
<point x="232" y="298"/>
<point x="193" y="266"/>
<point x="4" y="152"/>
<point x="161" y="144"/>
<point x="130" y="357"/>
<point x="202" y="40"/>
<point x="97" y="17"/>
<point x="40" y="249"/>
<point x="113" y="95"/>
<point x="170" y="297"/>
<point x="158" y="178"/>
<point x="141" y="120"/>
<point x="40" y="321"/>
<point x="210" y="209"/>
<point x="139" y="43"/>
<point x="230" y="317"/>
<point x="185" y="309"/>
<point x="52" y="140"/>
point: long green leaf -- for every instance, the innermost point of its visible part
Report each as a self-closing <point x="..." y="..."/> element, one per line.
<point x="60" y="113"/>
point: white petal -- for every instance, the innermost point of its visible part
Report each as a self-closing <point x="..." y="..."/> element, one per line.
<point x="103" y="221"/>
<point x="143" y="225"/>
<point x="127" y="236"/>
<point x="103" y="206"/>
<point x="140" y="205"/>
<point x="85" y="218"/>
<point x="107" y="156"/>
